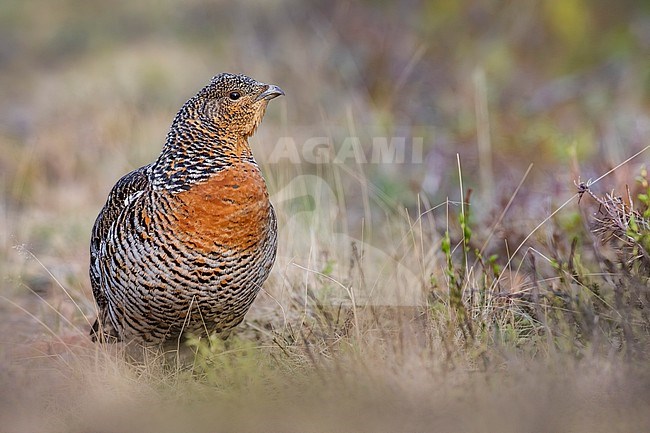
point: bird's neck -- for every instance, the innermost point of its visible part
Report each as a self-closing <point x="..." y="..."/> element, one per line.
<point x="194" y="151"/>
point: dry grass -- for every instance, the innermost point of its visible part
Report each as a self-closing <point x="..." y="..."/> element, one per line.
<point x="468" y="292"/>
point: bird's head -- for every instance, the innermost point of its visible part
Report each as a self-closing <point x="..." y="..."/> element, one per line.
<point x="235" y="103"/>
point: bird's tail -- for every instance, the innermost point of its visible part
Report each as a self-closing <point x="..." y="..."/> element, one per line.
<point x="103" y="332"/>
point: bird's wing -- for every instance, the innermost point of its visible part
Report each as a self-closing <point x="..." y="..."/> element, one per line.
<point x="127" y="189"/>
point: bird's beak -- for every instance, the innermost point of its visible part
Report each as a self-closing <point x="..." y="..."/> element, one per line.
<point x="272" y="91"/>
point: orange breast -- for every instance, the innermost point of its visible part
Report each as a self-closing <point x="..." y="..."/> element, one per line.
<point x="230" y="210"/>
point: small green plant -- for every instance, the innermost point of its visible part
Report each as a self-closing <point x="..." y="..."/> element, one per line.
<point x="228" y="364"/>
<point x="456" y="278"/>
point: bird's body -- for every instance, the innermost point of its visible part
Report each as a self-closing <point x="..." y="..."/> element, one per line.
<point x="185" y="243"/>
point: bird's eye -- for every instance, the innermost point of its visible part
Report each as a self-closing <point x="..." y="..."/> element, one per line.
<point x="234" y="95"/>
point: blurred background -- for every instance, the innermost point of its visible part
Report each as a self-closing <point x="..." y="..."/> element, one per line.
<point x="88" y="90"/>
<point x="529" y="96"/>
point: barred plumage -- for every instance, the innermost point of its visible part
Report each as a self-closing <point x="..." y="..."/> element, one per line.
<point x="184" y="244"/>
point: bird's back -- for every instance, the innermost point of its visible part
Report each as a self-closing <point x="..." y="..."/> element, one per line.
<point x="125" y="190"/>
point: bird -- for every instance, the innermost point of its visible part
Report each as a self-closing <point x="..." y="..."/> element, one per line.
<point x="184" y="244"/>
